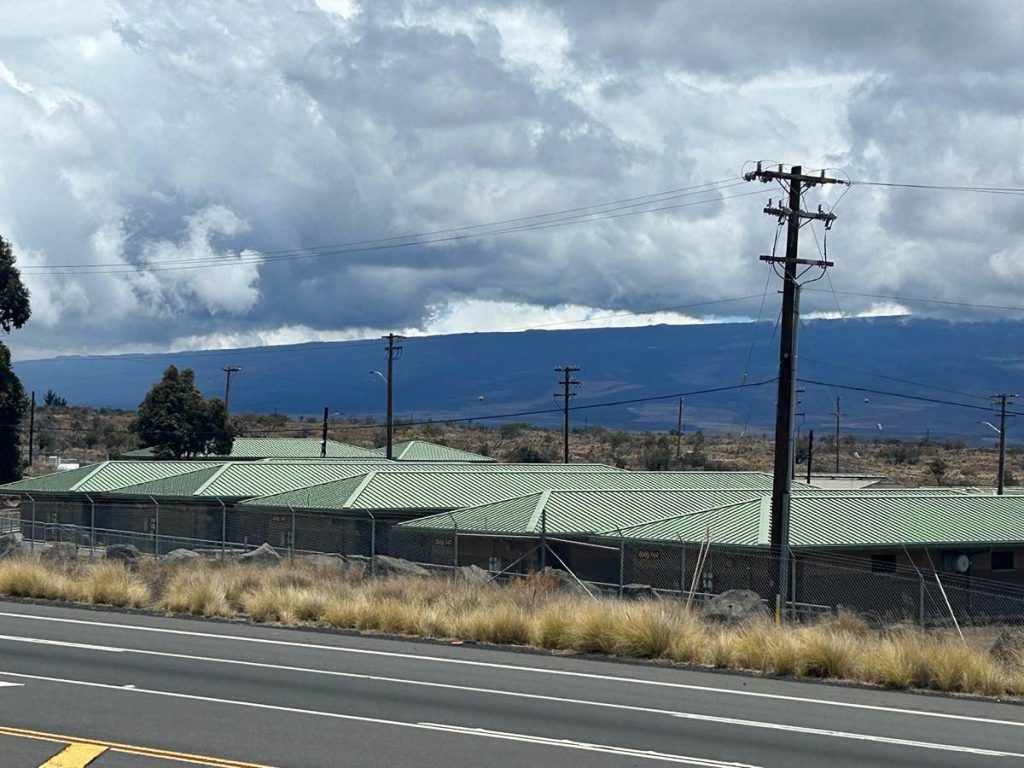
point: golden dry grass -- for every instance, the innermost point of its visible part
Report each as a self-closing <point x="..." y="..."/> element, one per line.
<point x="530" y="612"/>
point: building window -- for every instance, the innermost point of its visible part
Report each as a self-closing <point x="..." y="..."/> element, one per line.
<point x="883" y="563"/>
<point x="1002" y="561"/>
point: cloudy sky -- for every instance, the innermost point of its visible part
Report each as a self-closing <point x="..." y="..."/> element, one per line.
<point x="153" y="152"/>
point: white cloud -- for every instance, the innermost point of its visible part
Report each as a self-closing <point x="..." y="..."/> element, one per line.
<point x="192" y="269"/>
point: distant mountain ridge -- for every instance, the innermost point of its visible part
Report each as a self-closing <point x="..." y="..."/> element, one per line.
<point x="482" y="374"/>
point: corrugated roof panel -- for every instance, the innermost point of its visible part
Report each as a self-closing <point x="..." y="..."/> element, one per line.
<point x="733" y="524"/>
<point x="281" y="447"/>
<point x="54" y="482"/>
<point x="874" y="519"/>
<point x="593" y="511"/>
<point x="421" y="450"/>
<point x="607" y="511"/>
<point x="182" y="485"/>
<point x="247" y="480"/>
<point x="331" y="495"/>
<point x="451" y="490"/>
<point x="383" y="465"/>
<point x="119" y="474"/>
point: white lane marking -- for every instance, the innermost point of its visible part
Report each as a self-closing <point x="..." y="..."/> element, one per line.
<point x="702" y="762"/>
<point x="555" y="699"/>
<point x="4" y="684"/>
<point x="64" y="643"/>
<point x="520" y="668"/>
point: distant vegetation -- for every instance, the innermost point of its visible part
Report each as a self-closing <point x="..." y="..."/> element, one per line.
<point x="89" y="434"/>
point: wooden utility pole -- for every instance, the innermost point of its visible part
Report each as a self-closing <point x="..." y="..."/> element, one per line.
<point x="323" y="439"/>
<point x="782" y="484"/>
<point x="1004" y="399"/>
<point x="810" y="454"/>
<point x="567" y="381"/>
<point x="394" y="352"/>
<point x="228" y="370"/>
<point x="679" y="432"/>
<point x="839" y="416"/>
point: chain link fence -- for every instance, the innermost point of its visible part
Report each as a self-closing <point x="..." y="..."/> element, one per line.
<point x="820" y="582"/>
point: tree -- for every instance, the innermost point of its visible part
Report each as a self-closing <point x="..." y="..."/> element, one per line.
<point x="52" y="400"/>
<point x="938" y="468"/>
<point x="177" y="422"/>
<point x="12" y="406"/>
<point x="14" y="313"/>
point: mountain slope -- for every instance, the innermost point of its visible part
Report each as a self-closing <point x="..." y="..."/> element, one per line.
<point x="476" y="375"/>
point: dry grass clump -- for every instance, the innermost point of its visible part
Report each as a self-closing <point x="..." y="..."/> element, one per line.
<point x="828" y="653"/>
<point x="195" y="590"/>
<point x="23" y="577"/>
<point x="532" y="611"/>
<point x="111" y="583"/>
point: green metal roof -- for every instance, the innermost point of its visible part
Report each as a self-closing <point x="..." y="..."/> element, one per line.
<point x="421" y="450"/>
<point x="281" y="447"/>
<point x="894" y="520"/>
<point x="451" y="489"/>
<point x="180" y="486"/>
<point x="105" y="476"/>
<point x="876" y="519"/>
<point x="381" y="464"/>
<point x="246" y="480"/>
<point x="54" y="482"/>
<point x="587" y="511"/>
<point x="818" y="520"/>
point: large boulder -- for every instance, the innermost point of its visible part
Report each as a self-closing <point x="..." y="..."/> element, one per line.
<point x="324" y="560"/>
<point x="60" y="553"/>
<point x="396" y="566"/>
<point x="561" y="581"/>
<point x="473" y="574"/>
<point x="181" y="556"/>
<point x="735" y="606"/>
<point x="1009" y="647"/>
<point x="126" y="553"/>
<point x="639" y="592"/>
<point x="12" y="544"/>
<point x="263" y="555"/>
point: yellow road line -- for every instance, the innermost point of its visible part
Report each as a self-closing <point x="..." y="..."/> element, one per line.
<point x="129" y="749"/>
<point x="77" y="755"/>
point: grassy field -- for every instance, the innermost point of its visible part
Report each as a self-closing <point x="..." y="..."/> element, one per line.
<point x="531" y="612"/>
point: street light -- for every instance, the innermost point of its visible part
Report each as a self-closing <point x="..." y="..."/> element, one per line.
<point x="991" y="426"/>
<point x="381" y="375"/>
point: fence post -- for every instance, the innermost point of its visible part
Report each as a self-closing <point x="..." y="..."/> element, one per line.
<point x="622" y="561"/>
<point x="373" y="544"/>
<point x="455" y="548"/>
<point x="156" y="528"/>
<point x="32" y="541"/>
<point x="223" y="529"/>
<point x="920" y="600"/>
<point x="92" y="526"/>
<point x="682" y="566"/>
<point x="792" y="587"/>
<point x="291" y="535"/>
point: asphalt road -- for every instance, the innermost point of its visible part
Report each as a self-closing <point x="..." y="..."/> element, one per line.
<point x="159" y="691"/>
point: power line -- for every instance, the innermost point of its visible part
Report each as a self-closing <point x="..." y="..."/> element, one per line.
<point x="921" y="301"/>
<point x="943" y="187"/>
<point x="805" y="358"/>
<point x="901" y="395"/>
<point x="384" y="245"/>
<point x="666" y="195"/>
